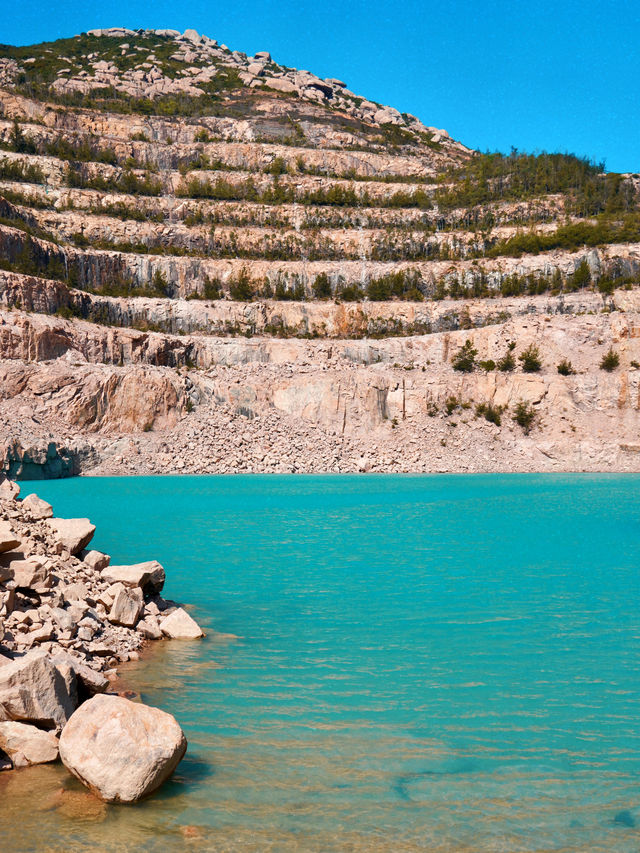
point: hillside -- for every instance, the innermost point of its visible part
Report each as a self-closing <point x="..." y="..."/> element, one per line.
<point x="213" y="262"/>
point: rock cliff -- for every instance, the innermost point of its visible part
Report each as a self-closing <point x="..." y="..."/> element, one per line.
<point x="213" y="262"/>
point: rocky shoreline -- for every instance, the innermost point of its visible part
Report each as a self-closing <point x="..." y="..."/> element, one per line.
<point x="68" y="618"/>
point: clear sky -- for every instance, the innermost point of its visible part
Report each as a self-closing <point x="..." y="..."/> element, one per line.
<point x="535" y="74"/>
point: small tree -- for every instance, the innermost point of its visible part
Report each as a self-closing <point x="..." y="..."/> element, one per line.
<point x="524" y="415"/>
<point x="565" y="368"/>
<point x="507" y="363"/>
<point x="241" y="289"/>
<point x="530" y="359"/>
<point x="464" y="361"/>
<point x="321" y="287"/>
<point x="610" y="360"/>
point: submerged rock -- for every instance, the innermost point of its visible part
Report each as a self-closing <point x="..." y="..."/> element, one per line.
<point x="26" y="745"/>
<point x="180" y="626"/>
<point x="121" y="750"/>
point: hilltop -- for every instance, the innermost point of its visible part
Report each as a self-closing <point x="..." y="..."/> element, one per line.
<point x="210" y="261"/>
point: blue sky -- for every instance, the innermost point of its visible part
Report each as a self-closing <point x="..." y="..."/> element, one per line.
<point x="535" y="75"/>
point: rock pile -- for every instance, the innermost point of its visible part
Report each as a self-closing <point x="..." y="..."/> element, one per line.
<point x="67" y="618"/>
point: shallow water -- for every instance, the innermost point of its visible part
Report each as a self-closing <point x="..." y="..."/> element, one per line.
<point x="425" y="663"/>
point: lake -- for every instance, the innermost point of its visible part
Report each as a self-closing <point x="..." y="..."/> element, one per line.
<point x="442" y="663"/>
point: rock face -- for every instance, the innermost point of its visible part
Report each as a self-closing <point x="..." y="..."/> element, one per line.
<point x="73" y="534"/>
<point x="26" y="745"/>
<point x="33" y="690"/>
<point x="121" y="750"/>
<point x="149" y="576"/>
<point x="180" y="626"/>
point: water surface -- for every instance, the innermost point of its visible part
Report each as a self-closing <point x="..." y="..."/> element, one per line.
<point x="443" y="663"/>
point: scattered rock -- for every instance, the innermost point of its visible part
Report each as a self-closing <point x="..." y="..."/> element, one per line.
<point x="73" y="534"/>
<point x="38" y="508"/>
<point x="32" y="689"/>
<point x="180" y="626"/>
<point x="8" y="540"/>
<point x="26" y="745"/>
<point x="121" y="750"/>
<point x="149" y="576"/>
<point x="96" y="560"/>
<point x="127" y="606"/>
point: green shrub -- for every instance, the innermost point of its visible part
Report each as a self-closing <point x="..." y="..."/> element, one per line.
<point x="451" y="404"/>
<point x="321" y="287"/>
<point x="491" y="413"/>
<point x="464" y="361"/>
<point x="530" y="359"/>
<point x="565" y="368"/>
<point x="610" y="360"/>
<point x="487" y="365"/>
<point x="524" y="415"/>
<point x="507" y="363"/>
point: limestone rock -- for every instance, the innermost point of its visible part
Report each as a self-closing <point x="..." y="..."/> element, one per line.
<point x="38" y="508"/>
<point x="148" y="576"/>
<point x="127" y="607"/>
<point x="26" y="745"/>
<point x="96" y="560"/>
<point x="180" y="626"/>
<point x="149" y="628"/>
<point x="93" y="682"/>
<point x="30" y="574"/>
<point x="9" y="490"/>
<point x="8" y="540"/>
<point x="73" y="534"/>
<point x="32" y="689"/>
<point x="121" y="750"/>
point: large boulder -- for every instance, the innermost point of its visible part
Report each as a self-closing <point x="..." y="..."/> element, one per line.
<point x="73" y="534"/>
<point x="8" y="539"/>
<point x="26" y="744"/>
<point x="37" y="508"/>
<point x="148" y="576"/>
<point x="180" y="626"/>
<point x="127" y="606"/>
<point x="121" y="750"/>
<point x="33" y="690"/>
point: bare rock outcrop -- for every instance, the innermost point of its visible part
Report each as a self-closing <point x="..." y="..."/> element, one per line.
<point x="121" y="750"/>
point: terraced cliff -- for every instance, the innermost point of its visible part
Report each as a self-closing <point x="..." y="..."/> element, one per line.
<point x="213" y="262"/>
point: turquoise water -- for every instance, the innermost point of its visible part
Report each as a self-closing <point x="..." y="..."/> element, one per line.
<point x="445" y="663"/>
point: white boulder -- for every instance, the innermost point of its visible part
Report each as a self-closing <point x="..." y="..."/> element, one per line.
<point x="121" y="750"/>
